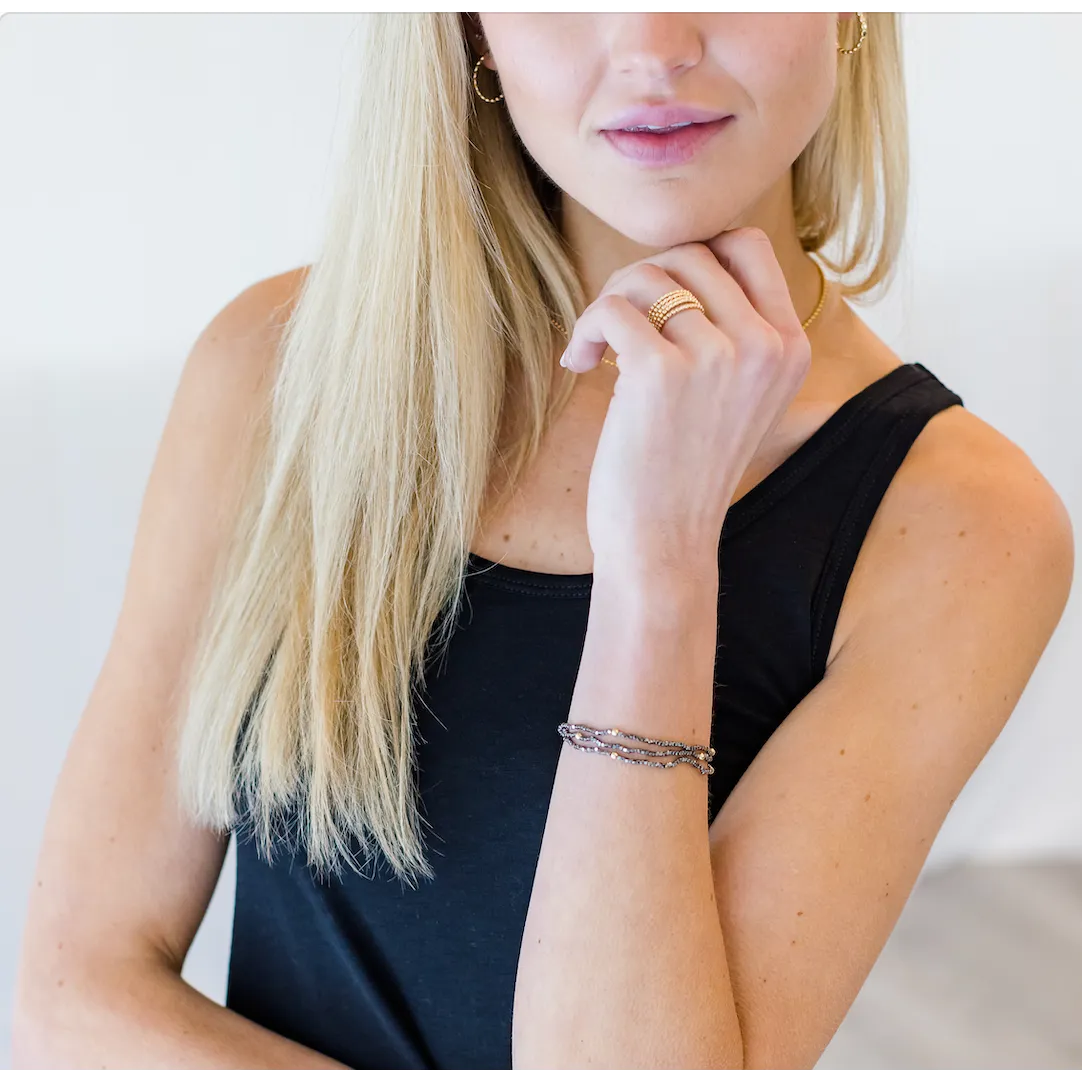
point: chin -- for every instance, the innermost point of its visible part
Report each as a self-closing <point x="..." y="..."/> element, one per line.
<point x="669" y="224"/>
<point x="669" y="231"/>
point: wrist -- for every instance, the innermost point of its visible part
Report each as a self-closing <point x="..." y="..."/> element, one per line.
<point x="661" y="593"/>
<point x="649" y="653"/>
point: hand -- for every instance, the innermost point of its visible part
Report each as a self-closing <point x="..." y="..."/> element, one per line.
<point x="692" y="403"/>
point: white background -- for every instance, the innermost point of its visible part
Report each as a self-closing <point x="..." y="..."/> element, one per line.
<point x="153" y="166"/>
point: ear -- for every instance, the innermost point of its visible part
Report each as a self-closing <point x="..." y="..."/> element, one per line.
<point x="474" y="33"/>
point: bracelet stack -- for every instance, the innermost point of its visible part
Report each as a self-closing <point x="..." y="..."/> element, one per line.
<point x="583" y="738"/>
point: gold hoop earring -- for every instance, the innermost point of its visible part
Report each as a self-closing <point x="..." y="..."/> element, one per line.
<point x="863" y="35"/>
<point x="477" y="89"/>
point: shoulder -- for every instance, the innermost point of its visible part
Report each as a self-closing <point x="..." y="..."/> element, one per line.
<point x="231" y="364"/>
<point x="968" y="521"/>
<point x="250" y="323"/>
<point x="965" y="479"/>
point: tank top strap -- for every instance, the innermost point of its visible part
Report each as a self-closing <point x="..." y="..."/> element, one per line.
<point x="875" y="449"/>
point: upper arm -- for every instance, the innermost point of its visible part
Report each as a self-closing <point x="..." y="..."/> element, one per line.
<point x="963" y="580"/>
<point x="122" y="875"/>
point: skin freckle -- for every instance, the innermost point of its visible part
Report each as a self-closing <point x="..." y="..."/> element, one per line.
<point x="842" y="752"/>
<point x="507" y="537"/>
<point x="867" y="797"/>
<point x="800" y="912"/>
<point x="902" y="530"/>
<point x="961" y="533"/>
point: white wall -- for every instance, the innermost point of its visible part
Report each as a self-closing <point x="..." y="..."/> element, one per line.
<point x="151" y="167"/>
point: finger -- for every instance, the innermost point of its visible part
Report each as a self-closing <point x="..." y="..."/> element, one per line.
<point x="740" y="328"/>
<point x="695" y="267"/>
<point x="747" y="254"/>
<point x="691" y="331"/>
<point x="613" y="320"/>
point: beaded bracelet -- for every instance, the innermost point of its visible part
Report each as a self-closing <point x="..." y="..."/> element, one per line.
<point x="697" y="755"/>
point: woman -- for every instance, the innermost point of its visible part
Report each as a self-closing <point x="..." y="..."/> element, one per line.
<point x="753" y="549"/>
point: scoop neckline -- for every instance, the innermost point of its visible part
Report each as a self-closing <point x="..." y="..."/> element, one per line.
<point x="755" y="502"/>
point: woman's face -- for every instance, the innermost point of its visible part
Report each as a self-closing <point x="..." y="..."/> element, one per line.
<point x="567" y="77"/>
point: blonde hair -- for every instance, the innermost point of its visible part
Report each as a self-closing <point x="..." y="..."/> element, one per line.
<point x="416" y="359"/>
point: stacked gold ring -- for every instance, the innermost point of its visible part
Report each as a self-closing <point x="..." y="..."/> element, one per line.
<point x="667" y="305"/>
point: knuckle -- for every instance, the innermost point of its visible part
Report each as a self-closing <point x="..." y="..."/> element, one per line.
<point x="664" y="357"/>
<point x="767" y="343"/>
<point x="654" y="276"/>
<point x="799" y="348"/>
<point x="751" y="234"/>
<point x="721" y="351"/>
<point x="610" y="304"/>
<point x="699" y="254"/>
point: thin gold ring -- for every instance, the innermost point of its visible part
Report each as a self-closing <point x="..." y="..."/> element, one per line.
<point x="823" y="289"/>
<point x="667" y="305"/>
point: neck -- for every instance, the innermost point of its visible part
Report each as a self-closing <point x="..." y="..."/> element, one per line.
<point x="599" y="250"/>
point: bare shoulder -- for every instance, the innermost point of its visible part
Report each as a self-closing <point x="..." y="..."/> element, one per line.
<point x="961" y="467"/>
<point x="249" y="325"/>
<point x="966" y="509"/>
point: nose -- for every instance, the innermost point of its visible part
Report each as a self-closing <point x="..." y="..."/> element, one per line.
<point x="654" y="47"/>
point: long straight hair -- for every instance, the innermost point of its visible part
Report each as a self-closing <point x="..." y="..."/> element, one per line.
<point x="416" y="362"/>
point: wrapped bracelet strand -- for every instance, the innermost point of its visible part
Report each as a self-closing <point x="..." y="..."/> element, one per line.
<point x="585" y="738"/>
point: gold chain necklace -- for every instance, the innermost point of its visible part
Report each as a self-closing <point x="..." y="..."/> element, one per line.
<point x="823" y="287"/>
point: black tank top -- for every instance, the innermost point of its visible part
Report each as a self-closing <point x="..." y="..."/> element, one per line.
<point x="378" y="974"/>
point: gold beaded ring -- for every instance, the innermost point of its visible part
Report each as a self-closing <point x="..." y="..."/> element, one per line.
<point x="667" y="306"/>
<point x="685" y="294"/>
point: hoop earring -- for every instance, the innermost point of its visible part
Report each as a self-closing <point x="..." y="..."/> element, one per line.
<point x="863" y="35"/>
<point x="476" y="89"/>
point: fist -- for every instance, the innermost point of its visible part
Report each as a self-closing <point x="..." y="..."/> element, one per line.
<point x="692" y="402"/>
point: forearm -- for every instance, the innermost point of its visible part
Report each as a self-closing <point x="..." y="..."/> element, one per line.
<point x="147" y="1016"/>
<point x="623" y="960"/>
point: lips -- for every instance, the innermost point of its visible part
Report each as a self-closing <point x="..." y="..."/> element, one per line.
<point x="662" y="116"/>
<point x="665" y="148"/>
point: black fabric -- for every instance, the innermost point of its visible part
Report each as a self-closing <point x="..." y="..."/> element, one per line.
<point x="378" y="974"/>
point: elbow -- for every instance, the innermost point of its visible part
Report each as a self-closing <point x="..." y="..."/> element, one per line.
<point x="53" y="1020"/>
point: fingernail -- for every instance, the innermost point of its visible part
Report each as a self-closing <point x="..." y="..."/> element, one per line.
<point x="563" y="359"/>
